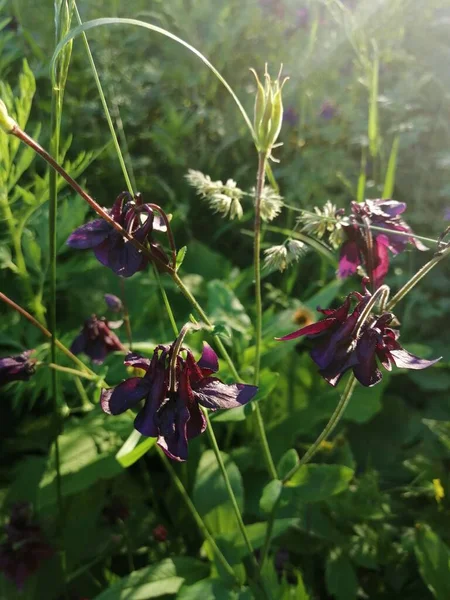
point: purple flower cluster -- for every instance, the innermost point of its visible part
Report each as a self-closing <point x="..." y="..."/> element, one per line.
<point x="370" y="247"/>
<point x="342" y="342"/>
<point x="25" y="546"/>
<point x="110" y="247"/>
<point x="96" y="339"/>
<point x="173" y="388"/>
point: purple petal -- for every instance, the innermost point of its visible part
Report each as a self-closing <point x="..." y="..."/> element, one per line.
<point x="406" y="360"/>
<point x="79" y="343"/>
<point x="172" y="426"/>
<point x="89" y="235"/>
<point x="136" y="361"/>
<point x="102" y="252"/>
<point x="391" y="208"/>
<point x="125" y="259"/>
<point x="381" y="257"/>
<point x="312" y="329"/>
<point x="197" y="422"/>
<point x="208" y="360"/>
<point x="113" y="302"/>
<point x="212" y="393"/>
<point x="146" y="421"/>
<point x="367" y="371"/>
<point x="127" y="394"/>
<point x="349" y="259"/>
<point x="158" y="223"/>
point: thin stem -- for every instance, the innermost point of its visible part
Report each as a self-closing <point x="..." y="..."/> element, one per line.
<point x="330" y="426"/>
<point x="237" y="512"/>
<point x="197" y="518"/>
<point x="126" y="314"/>
<point x="416" y="278"/>
<point x="382" y="292"/>
<point x="86" y="404"/>
<point x="262" y="159"/>
<point x="47" y="333"/>
<point x="166" y="301"/>
<point x="72" y="371"/>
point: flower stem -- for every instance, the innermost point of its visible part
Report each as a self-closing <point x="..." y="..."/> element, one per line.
<point x="72" y="371"/>
<point x="329" y="428"/>
<point x="47" y="333"/>
<point x="416" y="278"/>
<point x="197" y="518"/>
<point x="126" y="314"/>
<point x="262" y="159"/>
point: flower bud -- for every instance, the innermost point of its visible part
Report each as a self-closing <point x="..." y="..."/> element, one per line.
<point x="268" y="111"/>
<point x="7" y="123"/>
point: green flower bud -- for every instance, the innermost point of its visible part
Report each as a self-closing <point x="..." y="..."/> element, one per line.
<point x="7" y="123"/>
<point x="268" y="112"/>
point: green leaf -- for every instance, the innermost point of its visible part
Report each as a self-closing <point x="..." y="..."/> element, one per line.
<point x="180" y="257"/>
<point x="314" y="483"/>
<point x="287" y="462"/>
<point x="257" y="534"/>
<point x="166" y="577"/>
<point x="210" y="494"/>
<point x="340" y="576"/>
<point x="270" y="495"/>
<point x="224" y="307"/>
<point x="208" y="589"/>
<point x="132" y="450"/>
<point x="433" y="557"/>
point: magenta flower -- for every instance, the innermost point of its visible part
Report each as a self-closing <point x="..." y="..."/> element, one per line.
<point x="110" y="247"/>
<point x="25" y="547"/>
<point x="172" y="394"/>
<point x="96" y="339"/>
<point x="369" y="246"/>
<point x="17" y="368"/>
<point x="340" y="343"/>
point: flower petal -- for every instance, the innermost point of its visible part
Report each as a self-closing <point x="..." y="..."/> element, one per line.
<point x="127" y="394"/>
<point x="212" y="393"/>
<point x="405" y="360"/>
<point x="146" y="421"/>
<point x="79" y="343"/>
<point x="349" y="260"/>
<point x="89" y="235"/>
<point x="208" y="360"/>
<point x="136" y="361"/>
<point x="381" y="258"/>
<point x="313" y="329"/>
<point x="367" y="371"/>
<point x="172" y="425"/>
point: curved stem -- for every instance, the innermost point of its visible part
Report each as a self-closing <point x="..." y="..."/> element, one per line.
<point x="70" y="371"/>
<point x="197" y="518"/>
<point x="416" y="278"/>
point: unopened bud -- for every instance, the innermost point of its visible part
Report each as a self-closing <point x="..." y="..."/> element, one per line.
<point x="268" y="111"/>
<point x="7" y="123"/>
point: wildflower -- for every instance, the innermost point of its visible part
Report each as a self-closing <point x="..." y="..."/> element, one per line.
<point x="173" y="388"/>
<point x="303" y="316"/>
<point x="370" y="247"/>
<point x="25" y="547"/>
<point x="439" y="492"/>
<point x="110" y="247"/>
<point x="271" y="203"/>
<point x="296" y="249"/>
<point x="17" y="368"/>
<point x="327" y="110"/>
<point x="276" y="258"/>
<point x="113" y="302"/>
<point x="223" y="198"/>
<point x="160" y="533"/>
<point x="96" y="339"/>
<point x="327" y="220"/>
<point x="341" y="342"/>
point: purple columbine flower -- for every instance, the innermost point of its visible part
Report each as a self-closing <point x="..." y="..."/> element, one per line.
<point x="173" y="389"/>
<point x="340" y="343"/>
<point x="25" y="546"/>
<point x="110" y="247"/>
<point x="113" y="303"/>
<point x="17" y="368"/>
<point x="369" y="246"/>
<point x="327" y="110"/>
<point x="96" y="339"/>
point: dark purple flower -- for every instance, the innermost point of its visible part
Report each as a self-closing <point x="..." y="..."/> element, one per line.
<point x="17" y="368"/>
<point x="160" y="533"/>
<point x="113" y="302"/>
<point x="173" y="389"/>
<point x="369" y="246"/>
<point x="327" y="110"/>
<point x="110" y="247"/>
<point x="96" y="339"/>
<point x="340" y="343"/>
<point x="25" y="546"/>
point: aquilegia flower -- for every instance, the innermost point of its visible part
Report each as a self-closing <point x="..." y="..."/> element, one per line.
<point x="113" y="303"/>
<point x="340" y="342"/>
<point x="17" y="368"/>
<point x="96" y="339"/>
<point x="110" y="247"/>
<point x="25" y="546"/>
<point x="173" y="388"/>
<point x="369" y="246"/>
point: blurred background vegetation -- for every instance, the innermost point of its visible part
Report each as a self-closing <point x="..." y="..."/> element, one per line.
<point x="369" y="83"/>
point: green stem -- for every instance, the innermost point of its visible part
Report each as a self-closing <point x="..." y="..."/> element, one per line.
<point x="197" y="518"/>
<point x="416" y="278"/>
<point x="86" y="404"/>
<point x="262" y="159"/>
<point x="166" y="301"/>
<point x="72" y="371"/>
<point x="329" y="428"/>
